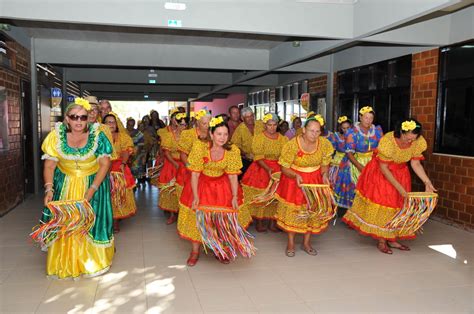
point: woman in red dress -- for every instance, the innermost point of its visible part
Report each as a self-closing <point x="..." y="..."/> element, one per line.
<point x="384" y="183"/>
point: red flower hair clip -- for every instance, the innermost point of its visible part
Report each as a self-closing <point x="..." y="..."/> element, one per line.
<point x="205" y="160"/>
<point x="300" y="154"/>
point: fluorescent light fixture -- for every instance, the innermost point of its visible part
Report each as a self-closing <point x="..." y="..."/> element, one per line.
<point x="175" y="6"/>
<point x="145" y="96"/>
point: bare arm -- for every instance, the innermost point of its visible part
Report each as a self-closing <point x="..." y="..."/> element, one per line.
<point x="354" y="161"/>
<point x="262" y="164"/>
<point x="324" y="173"/>
<point x="234" y="185"/>
<point x="293" y="175"/>
<point x="420" y="172"/>
<point x="194" y="187"/>
<point x="389" y="176"/>
<point x="104" y="166"/>
<point x="48" y="173"/>
<point x="184" y="157"/>
<point x="167" y="155"/>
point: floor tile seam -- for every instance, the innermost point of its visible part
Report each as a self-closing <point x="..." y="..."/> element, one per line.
<point x="194" y="288"/>
<point x="44" y="295"/>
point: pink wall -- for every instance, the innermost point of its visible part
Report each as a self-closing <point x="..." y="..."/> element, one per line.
<point x="219" y="106"/>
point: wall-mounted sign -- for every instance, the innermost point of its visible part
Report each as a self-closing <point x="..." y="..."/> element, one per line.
<point x="70" y="99"/>
<point x="304" y="100"/>
<point x="56" y="97"/>
<point x="175" y="23"/>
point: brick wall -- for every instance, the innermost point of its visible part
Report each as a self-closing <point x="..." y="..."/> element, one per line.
<point x="11" y="161"/>
<point x="318" y="84"/>
<point x="453" y="176"/>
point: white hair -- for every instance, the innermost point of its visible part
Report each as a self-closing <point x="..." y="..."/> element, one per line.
<point x="245" y="111"/>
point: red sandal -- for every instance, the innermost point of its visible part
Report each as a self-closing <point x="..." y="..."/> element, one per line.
<point x="401" y="247"/>
<point x="383" y="247"/>
<point x="193" y="259"/>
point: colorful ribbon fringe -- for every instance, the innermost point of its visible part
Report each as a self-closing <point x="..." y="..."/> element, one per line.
<point x="320" y="202"/>
<point x="416" y="210"/>
<point x="154" y="172"/>
<point x="268" y="196"/>
<point x="168" y="187"/>
<point x="67" y="218"/>
<point x="118" y="185"/>
<point x="220" y="231"/>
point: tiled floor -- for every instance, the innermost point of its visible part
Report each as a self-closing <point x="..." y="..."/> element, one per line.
<point x="149" y="273"/>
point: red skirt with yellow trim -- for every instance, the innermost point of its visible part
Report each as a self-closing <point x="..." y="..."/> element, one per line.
<point x="168" y="200"/>
<point x="214" y="193"/>
<point x="129" y="178"/>
<point x="291" y="201"/>
<point x="254" y="183"/>
<point x="377" y="201"/>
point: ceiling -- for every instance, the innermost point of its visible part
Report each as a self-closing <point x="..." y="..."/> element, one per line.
<point x="226" y="46"/>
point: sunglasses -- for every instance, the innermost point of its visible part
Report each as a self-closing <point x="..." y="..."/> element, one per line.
<point x="75" y="117"/>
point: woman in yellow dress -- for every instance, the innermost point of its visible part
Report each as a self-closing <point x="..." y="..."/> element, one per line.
<point x="123" y="182"/>
<point x="76" y="163"/>
<point x="266" y="149"/>
<point x="170" y="137"/>
<point x="303" y="160"/>
<point x="211" y="206"/>
<point x="384" y="183"/>
<point x="188" y="137"/>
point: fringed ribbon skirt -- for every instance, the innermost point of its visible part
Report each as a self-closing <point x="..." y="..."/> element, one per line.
<point x="123" y="198"/>
<point x="216" y="224"/>
<point x="168" y="200"/>
<point x="377" y="201"/>
<point x="291" y="202"/>
<point x="254" y="183"/>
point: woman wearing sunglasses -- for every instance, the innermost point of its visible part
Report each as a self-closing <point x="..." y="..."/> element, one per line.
<point x="170" y="137"/>
<point x="123" y="201"/>
<point x="76" y="162"/>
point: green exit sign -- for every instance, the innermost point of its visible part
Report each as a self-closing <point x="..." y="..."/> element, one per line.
<point x="151" y="81"/>
<point x="175" y="23"/>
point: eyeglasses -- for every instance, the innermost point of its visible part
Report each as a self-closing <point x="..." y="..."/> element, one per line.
<point x="75" y="117"/>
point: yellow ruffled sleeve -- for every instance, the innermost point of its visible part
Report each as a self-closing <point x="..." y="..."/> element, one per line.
<point x="126" y="143"/>
<point x="385" y="150"/>
<point x="49" y="146"/>
<point x="186" y="141"/>
<point x="420" y="146"/>
<point x="288" y="153"/>
<point x="166" y="141"/>
<point x="196" y="156"/>
<point x="327" y="150"/>
<point x="233" y="161"/>
<point x="258" y="147"/>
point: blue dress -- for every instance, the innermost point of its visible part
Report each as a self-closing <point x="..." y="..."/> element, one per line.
<point x="338" y="141"/>
<point x="361" y="144"/>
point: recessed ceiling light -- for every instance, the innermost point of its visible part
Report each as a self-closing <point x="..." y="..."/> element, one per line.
<point x="175" y="6"/>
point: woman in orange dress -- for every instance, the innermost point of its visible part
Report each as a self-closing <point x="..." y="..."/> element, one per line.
<point x="125" y="205"/>
<point x="266" y="149"/>
<point x="188" y="137"/>
<point x="384" y="183"/>
<point x="170" y="137"/>
<point x="303" y="160"/>
<point x="211" y="210"/>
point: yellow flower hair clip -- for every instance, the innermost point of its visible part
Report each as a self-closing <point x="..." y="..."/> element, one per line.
<point x="293" y="117"/>
<point x="267" y="117"/>
<point x="342" y="119"/>
<point x="309" y="114"/>
<point x="83" y="103"/>
<point x="365" y="110"/>
<point x="192" y="114"/>
<point x="200" y="114"/>
<point x="409" y="125"/>
<point x="320" y="119"/>
<point x="180" y="116"/>
<point x="216" y="121"/>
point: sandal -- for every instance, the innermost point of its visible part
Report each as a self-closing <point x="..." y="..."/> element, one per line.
<point x="401" y="247"/>
<point x="172" y="219"/>
<point x="193" y="259"/>
<point x="309" y="251"/>
<point x="384" y="248"/>
<point x="290" y="253"/>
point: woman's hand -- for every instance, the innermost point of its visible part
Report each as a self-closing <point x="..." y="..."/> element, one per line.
<point x="48" y="197"/>
<point x="429" y="187"/>
<point x="269" y="171"/>
<point x="89" y="194"/>
<point x="299" y="180"/>
<point x="195" y="203"/>
<point x="176" y="165"/>
<point x="359" y="167"/>
<point x="235" y="202"/>
<point x="402" y="192"/>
